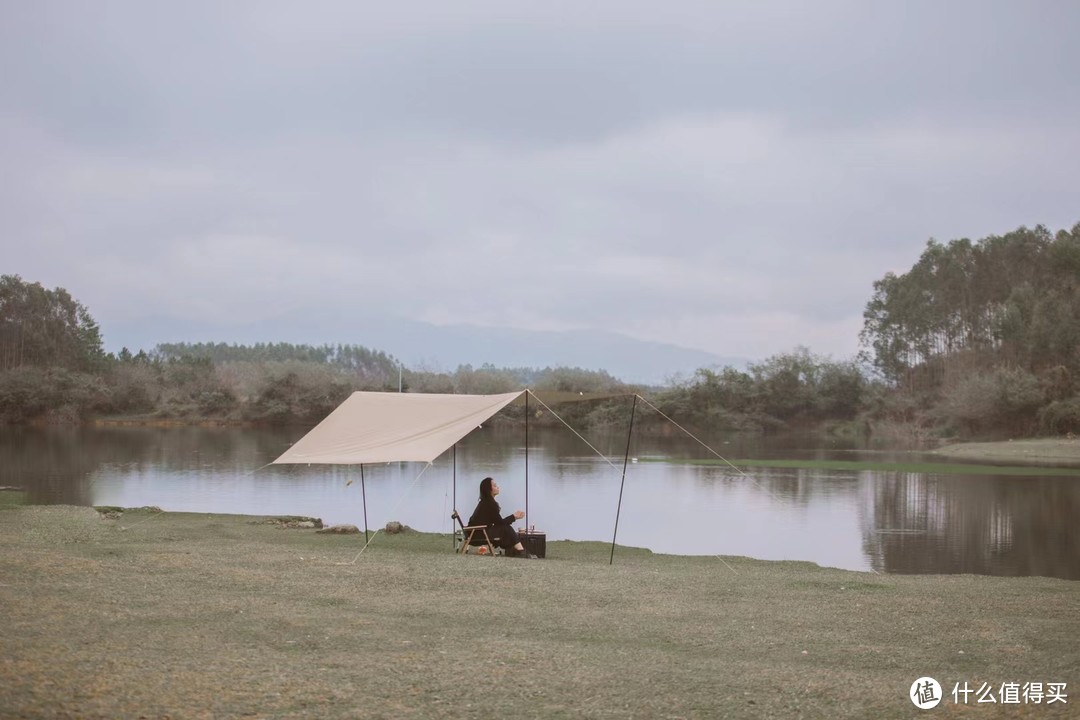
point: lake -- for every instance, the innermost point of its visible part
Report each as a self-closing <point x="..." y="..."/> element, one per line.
<point x="883" y="520"/>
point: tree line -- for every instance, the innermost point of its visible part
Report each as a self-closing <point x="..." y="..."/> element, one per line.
<point x="53" y="368"/>
<point x="46" y="380"/>
<point x="982" y="337"/>
<point x="45" y="328"/>
<point x="977" y="338"/>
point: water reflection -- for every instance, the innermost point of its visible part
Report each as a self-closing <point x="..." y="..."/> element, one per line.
<point x="973" y="524"/>
<point x="883" y="520"/>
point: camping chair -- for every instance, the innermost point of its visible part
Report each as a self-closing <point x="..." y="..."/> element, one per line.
<point x="467" y="536"/>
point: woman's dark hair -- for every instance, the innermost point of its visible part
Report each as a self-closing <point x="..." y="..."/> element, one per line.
<point x="485" y="489"/>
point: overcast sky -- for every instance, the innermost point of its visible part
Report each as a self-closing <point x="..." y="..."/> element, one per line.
<point x="729" y="176"/>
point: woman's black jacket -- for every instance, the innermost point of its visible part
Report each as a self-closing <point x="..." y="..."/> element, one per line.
<point x="487" y="513"/>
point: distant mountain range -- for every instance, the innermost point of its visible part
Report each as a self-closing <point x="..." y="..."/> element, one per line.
<point x="424" y="346"/>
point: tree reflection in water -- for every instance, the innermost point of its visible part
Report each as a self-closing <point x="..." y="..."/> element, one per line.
<point x="989" y="525"/>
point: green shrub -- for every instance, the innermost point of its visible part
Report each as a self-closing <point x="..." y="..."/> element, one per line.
<point x="25" y="393"/>
<point x="216" y="402"/>
<point x="29" y="393"/>
<point x="1060" y="417"/>
<point x="298" y="393"/>
<point x="1003" y="399"/>
<point x="133" y="387"/>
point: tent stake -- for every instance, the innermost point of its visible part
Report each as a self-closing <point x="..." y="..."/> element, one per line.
<point x="622" y="482"/>
<point x="363" y="494"/>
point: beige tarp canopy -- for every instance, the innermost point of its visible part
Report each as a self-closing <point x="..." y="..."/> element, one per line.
<point x="374" y="427"/>
<point x="377" y="427"/>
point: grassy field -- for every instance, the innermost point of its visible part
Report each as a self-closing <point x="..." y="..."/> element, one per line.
<point x="1050" y="450"/>
<point x="209" y="616"/>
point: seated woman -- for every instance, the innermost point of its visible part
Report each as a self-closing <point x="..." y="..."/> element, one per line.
<point x="500" y="529"/>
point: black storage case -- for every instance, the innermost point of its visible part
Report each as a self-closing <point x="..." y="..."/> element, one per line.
<point x="534" y="542"/>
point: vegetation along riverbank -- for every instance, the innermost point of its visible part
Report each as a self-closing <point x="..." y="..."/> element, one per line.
<point x="977" y="340"/>
<point x="187" y="615"/>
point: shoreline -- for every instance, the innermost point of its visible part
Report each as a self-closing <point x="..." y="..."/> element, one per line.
<point x="1062" y="450"/>
<point x="1065" y="450"/>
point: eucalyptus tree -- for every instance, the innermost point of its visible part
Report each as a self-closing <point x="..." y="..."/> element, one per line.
<point x="45" y="328"/>
<point x="1013" y="298"/>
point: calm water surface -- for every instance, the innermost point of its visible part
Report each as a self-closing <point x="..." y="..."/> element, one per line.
<point x="888" y="521"/>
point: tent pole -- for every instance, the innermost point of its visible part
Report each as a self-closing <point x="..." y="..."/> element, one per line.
<point x="363" y="493"/>
<point x="453" y="530"/>
<point x="626" y="457"/>
<point x="526" y="458"/>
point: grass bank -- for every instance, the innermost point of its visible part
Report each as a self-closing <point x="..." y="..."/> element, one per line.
<point x="190" y="615"/>
<point x="941" y="468"/>
<point x="1059" y="450"/>
<point x="1042" y="457"/>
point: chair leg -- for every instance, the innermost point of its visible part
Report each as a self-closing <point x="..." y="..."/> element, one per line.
<point x="467" y="540"/>
<point x="491" y="547"/>
<point x="467" y="543"/>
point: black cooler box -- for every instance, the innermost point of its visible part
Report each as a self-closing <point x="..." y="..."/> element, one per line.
<point x="534" y="542"/>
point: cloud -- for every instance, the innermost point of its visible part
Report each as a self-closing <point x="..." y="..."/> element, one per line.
<point x="726" y="178"/>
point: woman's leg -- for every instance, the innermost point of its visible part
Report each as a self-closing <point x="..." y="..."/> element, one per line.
<point x="507" y="538"/>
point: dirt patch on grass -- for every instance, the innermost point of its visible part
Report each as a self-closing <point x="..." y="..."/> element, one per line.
<point x="189" y="615"/>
